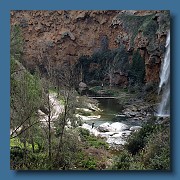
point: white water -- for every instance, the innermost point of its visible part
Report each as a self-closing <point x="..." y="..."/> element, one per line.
<point x="164" y="85"/>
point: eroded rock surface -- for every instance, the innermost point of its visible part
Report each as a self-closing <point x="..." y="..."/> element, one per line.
<point x="66" y="35"/>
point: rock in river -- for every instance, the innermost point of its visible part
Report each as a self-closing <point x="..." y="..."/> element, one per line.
<point x="135" y="128"/>
<point x="105" y="127"/>
<point x="118" y="127"/>
<point x="118" y="138"/>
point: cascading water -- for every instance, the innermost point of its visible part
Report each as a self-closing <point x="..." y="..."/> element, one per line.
<point x="164" y="85"/>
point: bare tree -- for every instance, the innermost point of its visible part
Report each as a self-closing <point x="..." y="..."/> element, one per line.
<point x="110" y="73"/>
<point x="67" y="80"/>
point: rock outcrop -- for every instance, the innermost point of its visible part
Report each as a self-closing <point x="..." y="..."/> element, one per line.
<point x="58" y="36"/>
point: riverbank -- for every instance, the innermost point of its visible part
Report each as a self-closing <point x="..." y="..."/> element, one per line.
<point x="126" y="112"/>
<point x="113" y="134"/>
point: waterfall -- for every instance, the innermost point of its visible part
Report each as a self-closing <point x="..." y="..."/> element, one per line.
<point x="164" y="85"/>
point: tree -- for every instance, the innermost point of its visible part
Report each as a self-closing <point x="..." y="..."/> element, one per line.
<point x="137" y="69"/>
<point x="45" y="58"/>
<point x="25" y="88"/>
<point x="110" y="73"/>
<point x="16" y="42"/>
<point x="67" y="80"/>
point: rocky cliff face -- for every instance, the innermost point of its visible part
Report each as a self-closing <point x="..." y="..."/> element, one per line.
<point x="60" y="36"/>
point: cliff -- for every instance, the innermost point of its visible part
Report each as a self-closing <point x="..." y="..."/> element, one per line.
<point x="61" y="36"/>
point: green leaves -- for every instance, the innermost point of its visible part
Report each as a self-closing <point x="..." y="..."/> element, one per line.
<point x="137" y="69"/>
<point x="149" y="148"/>
<point x="16" y="47"/>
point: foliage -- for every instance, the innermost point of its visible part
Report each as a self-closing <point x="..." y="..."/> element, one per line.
<point x="101" y="64"/>
<point x="89" y="163"/>
<point x="16" y="142"/>
<point x="26" y="95"/>
<point x="123" y="161"/>
<point x="16" y="45"/>
<point x="138" y="140"/>
<point x="21" y="159"/>
<point x="156" y="154"/>
<point x="92" y="141"/>
<point x="137" y="22"/>
<point x="137" y="69"/>
<point x="68" y="155"/>
<point x="95" y="89"/>
<point x="164" y="21"/>
<point x="84" y="132"/>
<point x="121" y="60"/>
<point x="149" y="148"/>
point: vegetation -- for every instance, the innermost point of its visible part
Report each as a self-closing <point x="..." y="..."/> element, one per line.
<point x="144" y="24"/>
<point x="148" y="148"/>
<point x="137" y="69"/>
<point x="38" y="143"/>
<point x="43" y="139"/>
<point x="101" y="66"/>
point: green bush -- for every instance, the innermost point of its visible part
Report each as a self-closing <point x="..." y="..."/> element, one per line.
<point x="148" y="149"/>
<point x="84" y="132"/>
<point x="24" y="159"/>
<point x="92" y="141"/>
<point x="89" y="163"/>
<point x="123" y="161"/>
<point x="97" y="143"/>
<point x="138" y="140"/>
<point x="156" y="154"/>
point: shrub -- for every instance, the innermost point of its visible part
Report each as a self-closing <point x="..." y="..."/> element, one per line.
<point x="138" y="140"/>
<point x="148" y="148"/>
<point x="84" y="132"/>
<point x="89" y="163"/>
<point x="123" y="161"/>
<point x="156" y="154"/>
<point x="92" y="141"/>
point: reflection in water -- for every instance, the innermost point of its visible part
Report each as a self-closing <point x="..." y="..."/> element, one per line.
<point x="110" y="109"/>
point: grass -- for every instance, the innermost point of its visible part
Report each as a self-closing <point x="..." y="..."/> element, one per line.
<point x="15" y="142"/>
<point x="91" y="140"/>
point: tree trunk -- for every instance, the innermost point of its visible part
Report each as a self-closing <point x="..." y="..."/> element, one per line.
<point x="32" y="142"/>
<point x="49" y="131"/>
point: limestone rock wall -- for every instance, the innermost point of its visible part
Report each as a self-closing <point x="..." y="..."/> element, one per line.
<point x="58" y="36"/>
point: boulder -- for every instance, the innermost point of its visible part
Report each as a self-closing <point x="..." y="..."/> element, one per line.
<point x="82" y="85"/>
<point x="135" y="128"/>
<point x="83" y="88"/>
<point x="106" y="134"/>
<point x="118" y="138"/>
<point x="66" y="32"/>
<point x="133" y="114"/>
<point x="118" y="127"/>
<point x="90" y="129"/>
<point x="105" y="127"/>
<point x="86" y="126"/>
<point x="120" y="115"/>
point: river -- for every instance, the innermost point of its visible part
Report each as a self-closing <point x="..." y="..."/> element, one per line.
<point x="111" y="112"/>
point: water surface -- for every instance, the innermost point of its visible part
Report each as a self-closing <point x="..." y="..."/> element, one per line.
<point x="110" y="109"/>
